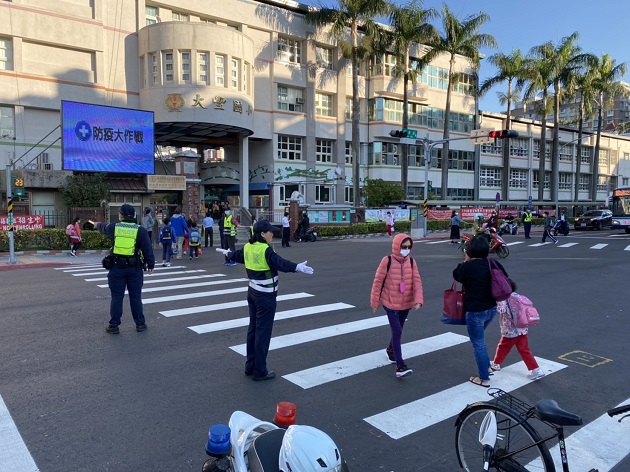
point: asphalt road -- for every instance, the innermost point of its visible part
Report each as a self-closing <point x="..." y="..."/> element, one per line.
<point x="84" y="400"/>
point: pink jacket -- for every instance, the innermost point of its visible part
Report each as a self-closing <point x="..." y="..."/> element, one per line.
<point x="386" y="286"/>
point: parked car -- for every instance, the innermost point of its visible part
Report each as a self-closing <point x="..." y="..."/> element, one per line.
<point x="593" y="219"/>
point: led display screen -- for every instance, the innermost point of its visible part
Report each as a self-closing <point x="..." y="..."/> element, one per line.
<point x="98" y="138"/>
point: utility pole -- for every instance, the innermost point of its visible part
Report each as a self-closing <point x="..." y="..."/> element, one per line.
<point x="12" y="259"/>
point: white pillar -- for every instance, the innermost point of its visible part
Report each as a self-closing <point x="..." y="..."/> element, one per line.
<point x="243" y="157"/>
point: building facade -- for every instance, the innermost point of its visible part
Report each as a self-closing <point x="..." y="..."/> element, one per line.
<point x="257" y="101"/>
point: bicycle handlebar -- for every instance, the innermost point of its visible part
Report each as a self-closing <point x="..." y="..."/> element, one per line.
<point x="619" y="410"/>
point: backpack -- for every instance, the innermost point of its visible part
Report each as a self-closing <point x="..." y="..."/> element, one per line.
<point x="500" y="284"/>
<point x="522" y="310"/>
<point x="70" y="230"/>
<point x="167" y="233"/>
<point x="194" y="237"/>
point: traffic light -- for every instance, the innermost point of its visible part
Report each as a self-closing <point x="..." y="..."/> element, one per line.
<point x="504" y="133"/>
<point x="404" y="133"/>
<point x="18" y="186"/>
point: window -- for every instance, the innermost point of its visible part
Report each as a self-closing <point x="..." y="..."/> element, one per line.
<point x="6" y="53"/>
<point x="289" y="50"/>
<point x="490" y="177"/>
<point x="324" y="57"/>
<point x="626" y="155"/>
<point x="602" y="182"/>
<point x="185" y="63"/>
<point x="586" y="153"/>
<point x="348" y="194"/>
<point x="290" y="99"/>
<point x="155" y="71"/>
<point x="519" y="147"/>
<point x="324" y="150"/>
<point x="535" y="180"/>
<point x="493" y="147"/>
<point x="349" y="104"/>
<point x="565" y="181"/>
<point x="566" y="153"/>
<point x="537" y="150"/>
<point x="289" y="147"/>
<point x="219" y="69"/>
<point x="245" y="77"/>
<point x="585" y="182"/>
<point x="518" y="178"/>
<point x="349" y="152"/>
<point x="324" y="105"/>
<point x="167" y="64"/>
<point x="7" y="123"/>
<point x="625" y="181"/>
<point x="151" y="15"/>
<point x="322" y="194"/>
<point x="180" y="17"/>
<point x="287" y="190"/>
<point x="603" y="157"/>
<point x="202" y="67"/>
<point x="234" y="73"/>
<point x="385" y="64"/>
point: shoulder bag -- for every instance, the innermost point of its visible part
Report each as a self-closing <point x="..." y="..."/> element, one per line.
<point x="453" y="309"/>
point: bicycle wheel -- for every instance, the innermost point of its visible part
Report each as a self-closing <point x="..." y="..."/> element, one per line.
<point x="514" y="450"/>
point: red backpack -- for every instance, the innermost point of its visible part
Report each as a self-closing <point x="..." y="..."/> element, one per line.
<point x="70" y="230"/>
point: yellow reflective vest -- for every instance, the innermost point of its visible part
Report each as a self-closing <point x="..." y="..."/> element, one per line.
<point x="125" y="235"/>
<point x="261" y="277"/>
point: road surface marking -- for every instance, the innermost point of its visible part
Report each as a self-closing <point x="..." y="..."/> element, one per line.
<point x="14" y="455"/>
<point x="154" y="275"/>
<point x="420" y="414"/>
<point x="197" y="284"/>
<point x="358" y="364"/>
<point x="152" y="280"/>
<point x="319" y="333"/>
<point x="627" y="248"/>
<point x="539" y="244"/>
<point x="598" y="246"/>
<point x="225" y="306"/>
<point x="281" y="315"/>
<point x="186" y="296"/>
<point x="514" y="243"/>
<point x="568" y="244"/>
<point x="439" y="242"/>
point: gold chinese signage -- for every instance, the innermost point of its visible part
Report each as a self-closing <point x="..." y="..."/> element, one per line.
<point x="166" y="182"/>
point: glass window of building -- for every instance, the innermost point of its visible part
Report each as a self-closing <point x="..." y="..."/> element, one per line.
<point x="602" y="182"/>
<point x="289" y="148"/>
<point x="324" y="150"/>
<point x="348" y="194"/>
<point x="167" y="64"/>
<point x="349" y="152"/>
<point x="537" y="150"/>
<point x="490" y="177"/>
<point x="324" y="104"/>
<point x="518" y="178"/>
<point x="6" y="53"/>
<point x="246" y="70"/>
<point x="185" y="65"/>
<point x="155" y="69"/>
<point x="151" y="14"/>
<point x="565" y="181"/>
<point x="287" y="190"/>
<point x="519" y="147"/>
<point x="289" y="50"/>
<point x="234" y="73"/>
<point x="323" y="194"/>
<point x="585" y="182"/>
<point x="566" y="152"/>
<point x="349" y="103"/>
<point x="203" y="67"/>
<point x="535" y="180"/>
<point x="603" y="157"/>
<point x="290" y="98"/>
<point x="586" y="153"/>
<point x="7" y="123"/>
<point x="324" y="57"/>
<point x="180" y="16"/>
<point x="219" y="69"/>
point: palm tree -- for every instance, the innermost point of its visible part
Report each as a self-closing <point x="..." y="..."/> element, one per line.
<point x="409" y="27"/>
<point x="539" y="73"/>
<point x="606" y="85"/>
<point x="345" y="24"/>
<point x="458" y="38"/>
<point x="510" y="70"/>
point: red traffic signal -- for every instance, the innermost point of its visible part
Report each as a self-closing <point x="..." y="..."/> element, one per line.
<point x="504" y="133"/>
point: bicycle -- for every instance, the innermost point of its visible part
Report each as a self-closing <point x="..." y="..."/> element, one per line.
<point x="500" y="434"/>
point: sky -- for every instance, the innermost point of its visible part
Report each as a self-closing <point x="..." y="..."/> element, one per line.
<point x="602" y="26"/>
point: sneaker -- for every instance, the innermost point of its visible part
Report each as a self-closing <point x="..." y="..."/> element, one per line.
<point x="390" y="355"/>
<point x="73" y="254"/>
<point x="190" y="258"/>
<point x="112" y="329"/>
<point x="535" y="374"/>
<point x="495" y="367"/>
<point x="226" y="263"/>
<point x="163" y="264"/>
<point x="168" y="264"/>
<point x="231" y="264"/>
<point x="141" y="327"/>
<point x="403" y="370"/>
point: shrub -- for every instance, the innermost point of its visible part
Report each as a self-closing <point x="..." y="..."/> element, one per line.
<point x="52" y="239"/>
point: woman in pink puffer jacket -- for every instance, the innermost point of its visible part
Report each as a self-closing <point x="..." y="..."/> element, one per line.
<point x="398" y="287"/>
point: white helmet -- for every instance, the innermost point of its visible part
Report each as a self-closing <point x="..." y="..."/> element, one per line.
<point x="307" y="449"/>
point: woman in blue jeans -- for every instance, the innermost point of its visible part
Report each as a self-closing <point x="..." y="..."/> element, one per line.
<point x="480" y="306"/>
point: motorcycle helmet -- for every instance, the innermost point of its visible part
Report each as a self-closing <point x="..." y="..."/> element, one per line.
<point x="479" y="216"/>
<point x="307" y="449"/>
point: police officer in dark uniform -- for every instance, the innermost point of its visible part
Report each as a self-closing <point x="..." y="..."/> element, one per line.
<point x="132" y="252"/>
<point x="262" y="265"/>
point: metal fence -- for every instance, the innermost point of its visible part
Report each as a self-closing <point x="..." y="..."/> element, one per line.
<point x="54" y="219"/>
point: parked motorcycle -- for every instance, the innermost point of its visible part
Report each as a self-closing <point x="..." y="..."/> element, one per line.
<point x="248" y="444"/>
<point x="562" y="227"/>
<point x="508" y="227"/>
<point x="497" y="243"/>
<point x="310" y="235"/>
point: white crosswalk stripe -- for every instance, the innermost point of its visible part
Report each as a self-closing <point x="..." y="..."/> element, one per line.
<point x="568" y="245"/>
<point x="598" y="246"/>
<point x="195" y="271"/>
<point x="514" y="243"/>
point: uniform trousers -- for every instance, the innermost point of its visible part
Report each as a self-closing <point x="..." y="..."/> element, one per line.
<point x="262" y="310"/>
<point x="119" y="279"/>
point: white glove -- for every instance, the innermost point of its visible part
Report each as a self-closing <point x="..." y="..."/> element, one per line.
<point x="302" y="267"/>
<point x="225" y="252"/>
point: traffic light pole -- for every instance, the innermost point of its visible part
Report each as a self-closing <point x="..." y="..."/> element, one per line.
<point x="12" y="259"/>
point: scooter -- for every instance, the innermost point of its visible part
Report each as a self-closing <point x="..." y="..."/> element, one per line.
<point x="497" y="243"/>
<point x="310" y="235"/>
<point x="508" y="227"/>
<point x="248" y="444"/>
<point x="562" y="227"/>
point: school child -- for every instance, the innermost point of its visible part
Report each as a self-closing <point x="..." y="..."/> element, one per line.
<point x="166" y="238"/>
<point x="513" y="336"/>
<point x="194" y="241"/>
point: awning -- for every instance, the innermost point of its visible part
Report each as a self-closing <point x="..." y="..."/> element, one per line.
<point x="254" y="187"/>
<point x="126" y="185"/>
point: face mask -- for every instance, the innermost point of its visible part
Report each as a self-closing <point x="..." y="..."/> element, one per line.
<point x="227" y="213"/>
<point x="404" y="252"/>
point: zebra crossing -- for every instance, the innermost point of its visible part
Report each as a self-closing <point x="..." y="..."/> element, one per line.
<point x="597" y="246"/>
<point x="398" y="422"/>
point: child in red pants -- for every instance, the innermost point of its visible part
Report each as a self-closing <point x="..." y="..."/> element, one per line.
<point x="513" y="336"/>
